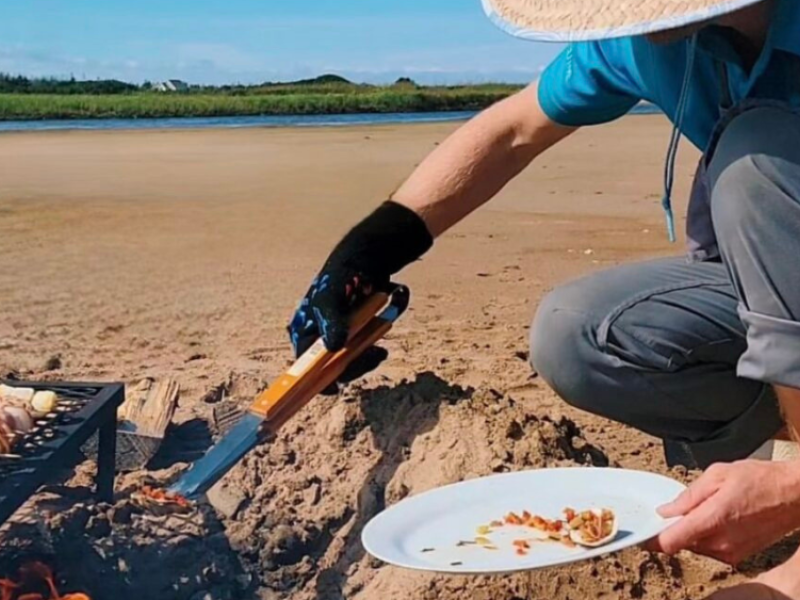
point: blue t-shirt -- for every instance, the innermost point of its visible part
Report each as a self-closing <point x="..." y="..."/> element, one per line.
<point x="596" y="82"/>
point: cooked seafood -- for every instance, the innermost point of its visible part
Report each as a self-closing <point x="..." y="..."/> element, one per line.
<point x="20" y="419"/>
<point x="590" y="528"/>
<point x="594" y="528"/>
<point x="16" y="396"/>
<point x="19" y="408"/>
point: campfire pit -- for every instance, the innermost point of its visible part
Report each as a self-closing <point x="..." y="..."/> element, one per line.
<point x="56" y="442"/>
<point x="32" y="576"/>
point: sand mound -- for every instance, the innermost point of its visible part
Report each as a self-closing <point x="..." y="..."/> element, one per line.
<point x="303" y="501"/>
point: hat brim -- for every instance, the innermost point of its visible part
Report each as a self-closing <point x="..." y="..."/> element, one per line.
<point x="630" y="27"/>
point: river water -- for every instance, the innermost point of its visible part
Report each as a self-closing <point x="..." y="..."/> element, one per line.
<point x="258" y="121"/>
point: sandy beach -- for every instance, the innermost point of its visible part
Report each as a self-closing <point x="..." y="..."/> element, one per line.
<point x="182" y="254"/>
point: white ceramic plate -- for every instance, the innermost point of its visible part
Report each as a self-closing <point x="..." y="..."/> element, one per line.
<point x="422" y="532"/>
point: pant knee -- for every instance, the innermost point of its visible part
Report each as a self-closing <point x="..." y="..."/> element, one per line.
<point x="766" y="131"/>
<point x="561" y="349"/>
<point x="748" y="172"/>
<point x="737" y="192"/>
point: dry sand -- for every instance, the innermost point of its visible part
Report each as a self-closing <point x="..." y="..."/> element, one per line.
<point x="182" y="254"/>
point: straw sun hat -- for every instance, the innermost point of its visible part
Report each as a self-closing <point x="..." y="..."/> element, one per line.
<point x="575" y="20"/>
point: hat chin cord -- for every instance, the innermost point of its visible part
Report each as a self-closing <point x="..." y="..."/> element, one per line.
<point x="674" y="143"/>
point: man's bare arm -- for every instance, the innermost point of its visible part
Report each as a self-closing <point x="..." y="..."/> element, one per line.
<point x="458" y="177"/>
<point x="478" y="160"/>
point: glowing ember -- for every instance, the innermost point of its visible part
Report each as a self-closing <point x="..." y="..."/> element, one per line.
<point x="33" y="576"/>
<point x="164" y="497"/>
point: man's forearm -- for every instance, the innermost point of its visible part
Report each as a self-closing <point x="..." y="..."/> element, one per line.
<point x="473" y="164"/>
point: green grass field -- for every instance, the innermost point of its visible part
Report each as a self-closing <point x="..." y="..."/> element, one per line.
<point x="272" y="100"/>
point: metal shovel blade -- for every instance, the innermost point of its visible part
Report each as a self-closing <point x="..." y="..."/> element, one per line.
<point x="220" y="458"/>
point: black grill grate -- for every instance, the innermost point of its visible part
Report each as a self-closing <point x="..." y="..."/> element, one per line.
<point x="56" y="441"/>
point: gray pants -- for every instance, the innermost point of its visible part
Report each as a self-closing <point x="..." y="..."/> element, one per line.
<point x="687" y="351"/>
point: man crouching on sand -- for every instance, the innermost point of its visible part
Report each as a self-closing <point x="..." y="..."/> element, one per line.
<point x="703" y="353"/>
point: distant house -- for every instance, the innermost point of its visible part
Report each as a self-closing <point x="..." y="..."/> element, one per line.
<point x="171" y="85"/>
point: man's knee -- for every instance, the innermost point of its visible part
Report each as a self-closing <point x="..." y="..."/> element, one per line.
<point x="753" y="171"/>
<point x="770" y="132"/>
<point x="561" y="346"/>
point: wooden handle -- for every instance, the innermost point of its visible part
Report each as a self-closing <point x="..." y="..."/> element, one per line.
<point x="280" y="413"/>
<point x="309" y="367"/>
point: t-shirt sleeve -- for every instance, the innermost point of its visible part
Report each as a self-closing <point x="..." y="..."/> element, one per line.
<point x="591" y="83"/>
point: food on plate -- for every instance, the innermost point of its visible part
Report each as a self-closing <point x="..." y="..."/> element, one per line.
<point x="589" y="528"/>
<point x="522" y="546"/>
<point x="594" y="528"/>
<point x="44" y="402"/>
<point x="485" y="543"/>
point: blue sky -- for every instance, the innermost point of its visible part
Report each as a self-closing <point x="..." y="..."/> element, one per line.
<point x="222" y="41"/>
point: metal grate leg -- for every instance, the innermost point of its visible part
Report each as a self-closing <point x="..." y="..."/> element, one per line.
<point x="106" y="458"/>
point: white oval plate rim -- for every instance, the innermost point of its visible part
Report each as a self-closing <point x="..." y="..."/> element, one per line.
<point x="636" y="538"/>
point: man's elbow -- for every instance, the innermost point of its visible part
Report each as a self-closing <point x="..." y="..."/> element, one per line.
<point x="532" y="127"/>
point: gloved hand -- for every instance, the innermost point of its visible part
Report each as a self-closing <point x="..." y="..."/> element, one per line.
<point x="364" y="261"/>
